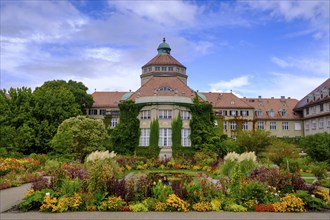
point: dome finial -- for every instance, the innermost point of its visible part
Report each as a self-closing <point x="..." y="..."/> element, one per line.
<point x="164" y="40"/>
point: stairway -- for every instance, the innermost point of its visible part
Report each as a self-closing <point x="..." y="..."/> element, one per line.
<point x="165" y="153"/>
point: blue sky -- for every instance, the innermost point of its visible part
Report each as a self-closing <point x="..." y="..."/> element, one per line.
<point x="266" y="48"/>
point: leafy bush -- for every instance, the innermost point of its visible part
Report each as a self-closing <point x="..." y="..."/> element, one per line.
<point x="310" y="202"/>
<point x="112" y="204"/>
<point x="264" y="208"/>
<point x="69" y="187"/>
<point x="235" y="208"/>
<point x="161" y="191"/>
<point x="202" y="207"/>
<point x="289" y="203"/>
<point x="317" y="146"/>
<point x="319" y="169"/>
<point x="99" y="174"/>
<point x="139" y="207"/>
<point x="33" y="199"/>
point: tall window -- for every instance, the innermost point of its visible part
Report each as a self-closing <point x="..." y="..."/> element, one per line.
<point x="328" y="122"/>
<point x="185" y="137"/>
<point x="321" y="123"/>
<point x="165" y="137"/>
<point x="145" y="114"/>
<point x="224" y="125"/>
<point x="170" y="68"/>
<point x="321" y="108"/>
<point x="222" y="113"/>
<point x="103" y="111"/>
<point x="313" y="109"/>
<point x="271" y="113"/>
<point x="245" y="125"/>
<point x="165" y="114"/>
<point x="145" y="137"/>
<point x="185" y="115"/>
<point x="113" y="122"/>
<point x="307" y="111"/>
<point x="233" y="125"/>
<point x="285" y="125"/>
<point x="261" y="125"/>
<point x="272" y="125"/>
<point x="313" y="124"/>
<point x="306" y="125"/>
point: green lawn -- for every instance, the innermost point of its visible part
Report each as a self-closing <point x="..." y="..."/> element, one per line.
<point x="303" y="174"/>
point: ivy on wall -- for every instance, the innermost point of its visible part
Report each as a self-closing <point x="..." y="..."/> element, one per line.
<point x="154" y="133"/>
<point x="203" y="132"/>
<point x="125" y="136"/>
<point x="176" y="131"/>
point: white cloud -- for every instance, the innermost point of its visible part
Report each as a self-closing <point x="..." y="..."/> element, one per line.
<point x="311" y="65"/>
<point x="233" y="84"/>
<point x="168" y="13"/>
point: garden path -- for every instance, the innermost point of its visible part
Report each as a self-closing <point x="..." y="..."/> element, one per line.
<point x="12" y="196"/>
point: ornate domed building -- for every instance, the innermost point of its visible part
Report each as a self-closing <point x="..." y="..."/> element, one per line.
<point x="165" y="95"/>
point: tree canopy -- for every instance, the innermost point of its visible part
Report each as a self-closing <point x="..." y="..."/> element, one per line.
<point x="317" y="146"/>
<point x="79" y="136"/>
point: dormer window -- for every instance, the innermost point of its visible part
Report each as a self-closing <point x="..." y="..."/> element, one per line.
<point x="165" y="88"/>
<point x="259" y="113"/>
<point x="271" y="113"/>
<point x="283" y="113"/>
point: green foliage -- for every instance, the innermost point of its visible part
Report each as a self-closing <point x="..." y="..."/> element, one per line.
<point x="100" y="172"/>
<point x="319" y="169"/>
<point x="232" y="207"/>
<point x="176" y="131"/>
<point x="203" y="131"/>
<point x="139" y="207"/>
<point x="254" y="140"/>
<point x="148" y="152"/>
<point x="183" y="152"/>
<point x="69" y="187"/>
<point x="310" y="202"/>
<point x="317" y="146"/>
<point x="278" y="151"/>
<point x="161" y="191"/>
<point x="34" y="200"/>
<point x="125" y="137"/>
<point x="79" y="136"/>
<point x="154" y="133"/>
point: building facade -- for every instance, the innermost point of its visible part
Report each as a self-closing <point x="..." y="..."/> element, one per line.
<point x="166" y="95"/>
<point x="314" y="110"/>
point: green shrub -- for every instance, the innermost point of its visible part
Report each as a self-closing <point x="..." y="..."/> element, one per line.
<point x="69" y="187"/>
<point x="100" y="173"/>
<point x="161" y="191"/>
<point x="51" y="166"/>
<point x="34" y="200"/>
<point x="310" y="202"/>
<point x="139" y="207"/>
<point x="319" y="169"/>
<point x="235" y="208"/>
<point x="148" y="152"/>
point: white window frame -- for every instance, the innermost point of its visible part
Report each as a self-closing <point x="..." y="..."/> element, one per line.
<point x="259" y="113"/>
<point x="145" y="114"/>
<point x="170" y="68"/>
<point x="224" y="125"/>
<point x="233" y="125"/>
<point x="285" y="125"/>
<point x="185" y="115"/>
<point x="306" y="125"/>
<point x="313" y="124"/>
<point x="165" y="114"/>
<point x="283" y="113"/>
<point x="245" y="125"/>
<point x="313" y="109"/>
<point x="233" y="112"/>
<point x="92" y="111"/>
<point x="113" y="122"/>
<point x="321" y="123"/>
<point x="185" y="137"/>
<point x="328" y="122"/>
<point x="261" y="125"/>
<point x="244" y="113"/>
<point x="272" y="125"/>
<point x="271" y="114"/>
<point x="145" y="137"/>
<point x="165" y="137"/>
<point x="164" y="68"/>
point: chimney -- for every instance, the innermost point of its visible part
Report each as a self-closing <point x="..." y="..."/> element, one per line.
<point x="282" y="98"/>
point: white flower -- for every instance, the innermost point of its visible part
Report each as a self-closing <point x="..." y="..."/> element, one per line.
<point x="47" y="194"/>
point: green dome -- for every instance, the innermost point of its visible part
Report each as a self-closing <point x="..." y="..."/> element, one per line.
<point x="164" y="48"/>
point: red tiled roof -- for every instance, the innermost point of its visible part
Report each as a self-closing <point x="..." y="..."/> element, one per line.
<point x="225" y="100"/>
<point x="275" y="104"/>
<point x="303" y="102"/>
<point x="163" y="59"/>
<point x="154" y="85"/>
<point x="107" y="99"/>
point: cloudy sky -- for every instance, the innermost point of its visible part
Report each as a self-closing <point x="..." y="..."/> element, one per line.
<point x="267" y="48"/>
